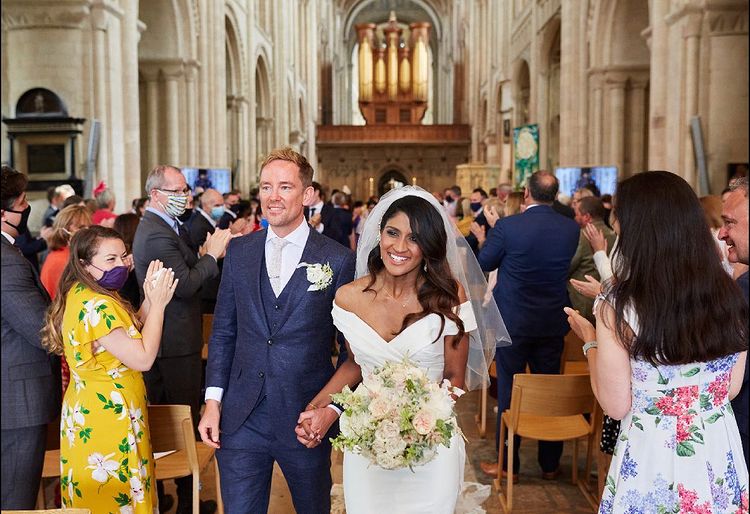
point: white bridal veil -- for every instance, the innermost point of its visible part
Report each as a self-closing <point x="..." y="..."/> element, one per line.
<point x="491" y="331"/>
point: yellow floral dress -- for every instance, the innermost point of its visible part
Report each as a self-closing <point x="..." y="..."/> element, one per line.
<point x="105" y="452"/>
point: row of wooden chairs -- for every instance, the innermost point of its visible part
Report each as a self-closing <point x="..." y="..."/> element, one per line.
<point x="171" y="430"/>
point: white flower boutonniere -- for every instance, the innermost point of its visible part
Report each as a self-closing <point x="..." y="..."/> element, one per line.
<point x="320" y="276"/>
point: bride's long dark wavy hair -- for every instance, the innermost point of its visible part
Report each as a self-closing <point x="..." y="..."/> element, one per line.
<point x="688" y="308"/>
<point x="438" y="292"/>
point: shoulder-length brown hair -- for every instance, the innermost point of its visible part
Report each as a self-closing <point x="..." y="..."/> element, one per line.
<point x="438" y="292"/>
<point x="83" y="247"/>
<point x="67" y="217"/>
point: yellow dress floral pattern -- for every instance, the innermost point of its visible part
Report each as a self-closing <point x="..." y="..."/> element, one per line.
<point x="105" y="452"/>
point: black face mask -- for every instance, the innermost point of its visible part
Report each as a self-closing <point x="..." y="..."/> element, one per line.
<point x="21" y="227"/>
<point x="185" y="215"/>
<point x="235" y="208"/>
<point x="449" y="199"/>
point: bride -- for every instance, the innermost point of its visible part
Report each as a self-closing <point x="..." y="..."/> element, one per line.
<point x="417" y="294"/>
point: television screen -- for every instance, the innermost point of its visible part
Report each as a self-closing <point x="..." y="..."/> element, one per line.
<point x="572" y="178"/>
<point x="208" y="178"/>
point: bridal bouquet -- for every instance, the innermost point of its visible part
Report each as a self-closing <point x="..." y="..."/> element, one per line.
<point x="397" y="417"/>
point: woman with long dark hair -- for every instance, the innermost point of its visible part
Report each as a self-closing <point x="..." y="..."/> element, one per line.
<point x="667" y="354"/>
<point x="105" y="452"/>
<point x="410" y="300"/>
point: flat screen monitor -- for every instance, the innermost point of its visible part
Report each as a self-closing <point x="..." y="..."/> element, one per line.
<point x="572" y="178"/>
<point x="209" y="178"/>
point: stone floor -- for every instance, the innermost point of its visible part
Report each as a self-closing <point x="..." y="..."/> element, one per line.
<point x="532" y="495"/>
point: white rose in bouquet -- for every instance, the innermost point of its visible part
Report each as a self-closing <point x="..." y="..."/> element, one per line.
<point x="379" y="407"/>
<point x="424" y="422"/>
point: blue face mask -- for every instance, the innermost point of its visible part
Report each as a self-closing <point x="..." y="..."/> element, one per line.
<point x="217" y="212"/>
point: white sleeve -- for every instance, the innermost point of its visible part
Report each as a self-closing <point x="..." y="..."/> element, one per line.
<point x="603" y="265"/>
<point x="214" y="393"/>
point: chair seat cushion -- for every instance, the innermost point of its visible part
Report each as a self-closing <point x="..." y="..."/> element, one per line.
<point x="550" y="428"/>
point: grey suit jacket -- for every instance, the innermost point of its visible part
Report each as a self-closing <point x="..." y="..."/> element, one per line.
<point x="154" y="239"/>
<point x="30" y="385"/>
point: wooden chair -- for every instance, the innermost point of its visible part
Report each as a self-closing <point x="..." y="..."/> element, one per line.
<point x="172" y="429"/>
<point x="481" y="417"/>
<point x="572" y="361"/>
<point x="49" y="511"/>
<point x="546" y="408"/>
<point x="208" y="322"/>
<point x="51" y="468"/>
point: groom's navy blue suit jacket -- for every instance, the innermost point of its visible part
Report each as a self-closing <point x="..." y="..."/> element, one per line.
<point x="290" y="363"/>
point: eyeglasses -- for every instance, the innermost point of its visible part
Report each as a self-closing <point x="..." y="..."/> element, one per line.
<point x="176" y="191"/>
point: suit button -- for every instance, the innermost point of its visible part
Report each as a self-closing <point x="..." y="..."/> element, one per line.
<point x="261" y="374"/>
<point x="270" y="341"/>
<point x="277" y="307"/>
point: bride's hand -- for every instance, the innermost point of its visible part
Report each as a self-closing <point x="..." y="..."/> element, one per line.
<point x="313" y="425"/>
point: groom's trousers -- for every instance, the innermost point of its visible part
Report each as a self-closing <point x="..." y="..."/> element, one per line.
<point x="246" y="461"/>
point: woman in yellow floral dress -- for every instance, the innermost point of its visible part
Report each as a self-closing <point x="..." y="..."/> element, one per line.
<point x="106" y="460"/>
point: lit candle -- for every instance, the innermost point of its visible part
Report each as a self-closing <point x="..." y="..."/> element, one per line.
<point x="414" y="181"/>
<point x="372" y="186"/>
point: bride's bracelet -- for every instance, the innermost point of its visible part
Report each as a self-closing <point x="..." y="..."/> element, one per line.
<point x="311" y="404"/>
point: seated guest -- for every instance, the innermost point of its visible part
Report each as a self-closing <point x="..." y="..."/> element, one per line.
<point x="105" y="206"/>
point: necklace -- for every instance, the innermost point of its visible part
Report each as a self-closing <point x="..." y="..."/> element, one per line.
<point x="403" y="304"/>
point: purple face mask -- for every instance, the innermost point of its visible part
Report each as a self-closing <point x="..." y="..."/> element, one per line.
<point x="113" y="279"/>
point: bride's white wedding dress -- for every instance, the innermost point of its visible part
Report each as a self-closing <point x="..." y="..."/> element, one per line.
<point x="434" y="487"/>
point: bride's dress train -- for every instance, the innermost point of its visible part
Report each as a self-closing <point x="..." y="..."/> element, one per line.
<point x="433" y="488"/>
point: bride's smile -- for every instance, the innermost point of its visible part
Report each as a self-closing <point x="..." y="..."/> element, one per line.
<point x="398" y="246"/>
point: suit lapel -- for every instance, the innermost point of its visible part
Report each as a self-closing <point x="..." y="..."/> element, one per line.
<point x="297" y="286"/>
<point x="25" y="261"/>
<point x="252" y="266"/>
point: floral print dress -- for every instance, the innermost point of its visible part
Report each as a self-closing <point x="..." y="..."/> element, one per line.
<point x="679" y="449"/>
<point x="106" y="459"/>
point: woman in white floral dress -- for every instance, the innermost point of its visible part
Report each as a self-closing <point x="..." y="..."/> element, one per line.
<point x="106" y="459"/>
<point x="672" y="343"/>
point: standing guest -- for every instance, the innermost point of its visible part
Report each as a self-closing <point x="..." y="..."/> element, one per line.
<point x="105" y="206"/>
<point x="589" y="211"/>
<point x="358" y="211"/>
<point x="69" y="221"/>
<point x="319" y="212"/>
<point x="30" y="390"/>
<point x="31" y="246"/>
<point x="205" y="217"/>
<point x="126" y="225"/>
<point x="477" y="201"/>
<point x="73" y="200"/>
<point x="175" y="376"/>
<point x="735" y="234"/>
<point x="231" y="209"/>
<point x="105" y="451"/>
<point x="254" y="216"/>
<point x="452" y="202"/>
<point x="139" y="206"/>
<point x="712" y="205"/>
<point x="503" y="190"/>
<point x="532" y="253"/>
<point x="270" y="324"/>
<point x="56" y="197"/>
<point x="340" y="226"/>
<point x="667" y="354"/>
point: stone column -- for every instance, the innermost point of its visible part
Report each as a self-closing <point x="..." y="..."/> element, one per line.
<point x="616" y="98"/>
<point x="692" y="36"/>
<point x="100" y="22"/>
<point x="172" y="74"/>
<point x="204" y="78"/>
<point x="191" y="72"/>
<point x="637" y="109"/>
<point x="596" y="127"/>
<point x="150" y="75"/>
<point x="657" y="151"/>
<point x="131" y="111"/>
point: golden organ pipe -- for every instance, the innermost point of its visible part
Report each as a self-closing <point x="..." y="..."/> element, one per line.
<point x="365" y="71"/>
<point x="392" y="69"/>
<point x="404" y="75"/>
<point x="420" y="71"/>
<point x="380" y="73"/>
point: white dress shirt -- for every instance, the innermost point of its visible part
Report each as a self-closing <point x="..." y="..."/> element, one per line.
<point x="11" y="239"/>
<point x="207" y="216"/>
<point x="290" y="257"/>
<point x="317" y="209"/>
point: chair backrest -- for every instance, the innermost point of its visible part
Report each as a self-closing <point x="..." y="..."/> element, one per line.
<point x="49" y="511"/>
<point x="551" y="395"/>
<point x="171" y="428"/>
<point x="572" y="350"/>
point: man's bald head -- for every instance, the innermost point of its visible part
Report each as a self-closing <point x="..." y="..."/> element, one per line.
<point x="543" y="186"/>
<point x="211" y="198"/>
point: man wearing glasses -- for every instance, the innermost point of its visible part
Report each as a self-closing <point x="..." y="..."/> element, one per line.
<point x="175" y="377"/>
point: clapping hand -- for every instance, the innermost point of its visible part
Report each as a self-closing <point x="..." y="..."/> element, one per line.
<point x="160" y="284"/>
<point x="479" y="231"/>
<point x="580" y="325"/>
<point x="216" y="243"/>
<point x="491" y="215"/>
<point x="595" y="237"/>
<point x="590" y="288"/>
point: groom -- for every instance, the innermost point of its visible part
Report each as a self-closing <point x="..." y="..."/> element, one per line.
<point x="270" y="348"/>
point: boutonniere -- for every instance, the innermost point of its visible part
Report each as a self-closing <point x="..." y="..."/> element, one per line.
<point x="320" y="276"/>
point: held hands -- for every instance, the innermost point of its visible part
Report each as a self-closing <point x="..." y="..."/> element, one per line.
<point x="590" y="288"/>
<point x="209" y="424"/>
<point x="595" y="237"/>
<point x="160" y="284"/>
<point x="580" y="325"/>
<point x="313" y="424"/>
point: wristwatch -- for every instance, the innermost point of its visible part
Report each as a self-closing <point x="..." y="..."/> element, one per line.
<point x="588" y="346"/>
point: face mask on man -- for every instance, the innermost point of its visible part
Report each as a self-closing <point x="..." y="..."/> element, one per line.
<point x="217" y="212"/>
<point x="23" y="223"/>
<point x="476" y="206"/>
<point x="176" y="204"/>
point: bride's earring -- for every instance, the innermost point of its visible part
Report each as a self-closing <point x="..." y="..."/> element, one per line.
<point x="425" y="266"/>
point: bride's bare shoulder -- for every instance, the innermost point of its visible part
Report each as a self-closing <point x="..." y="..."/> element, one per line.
<point x="352" y="295"/>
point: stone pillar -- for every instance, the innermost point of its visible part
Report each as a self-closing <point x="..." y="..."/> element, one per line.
<point x="204" y="78"/>
<point x="596" y="127"/>
<point x="692" y="36"/>
<point x="616" y="100"/>
<point x="660" y="81"/>
<point x="100" y="22"/>
<point x="131" y="112"/>
<point x="191" y="99"/>
<point x="172" y="74"/>
<point x="151" y="76"/>
<point x="637" y="139"/>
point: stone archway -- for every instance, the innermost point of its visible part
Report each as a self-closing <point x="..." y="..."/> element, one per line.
<point x="390" y="179"/>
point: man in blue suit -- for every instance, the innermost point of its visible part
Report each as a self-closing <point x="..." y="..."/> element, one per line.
<point x="532" y="252"/>
<point x="270" y="349"/>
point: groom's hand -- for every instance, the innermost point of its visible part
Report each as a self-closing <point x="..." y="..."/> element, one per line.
<point x="209" y="424"/>
<point x="315" y="424"/>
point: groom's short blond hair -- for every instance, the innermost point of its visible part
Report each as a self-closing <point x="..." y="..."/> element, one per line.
<point x="287" y="154"/>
